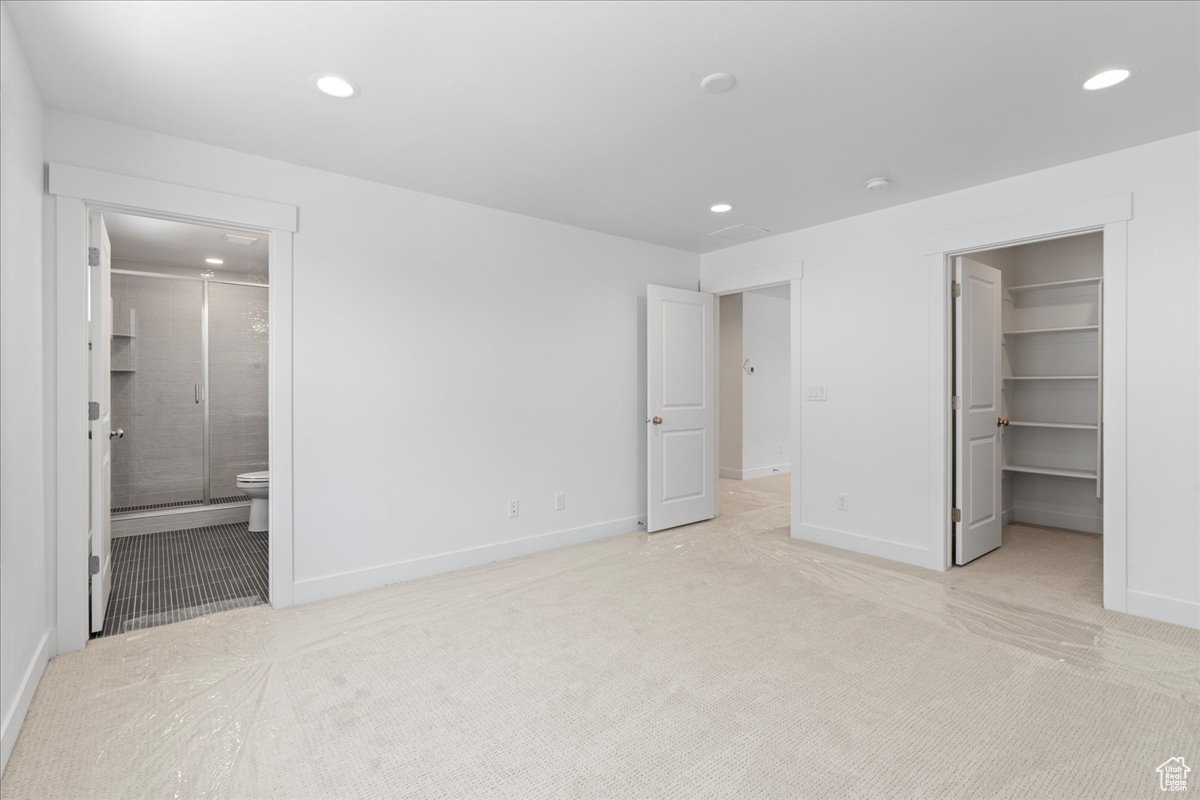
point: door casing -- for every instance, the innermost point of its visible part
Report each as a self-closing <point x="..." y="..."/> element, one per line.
<point x="76" y="190"/>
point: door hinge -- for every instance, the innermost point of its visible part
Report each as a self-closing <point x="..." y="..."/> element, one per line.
<point x="93" y="410"/>
<point x="94" y="565"/>
<point x="955" y="289"/>
<point x="954" y="402"/>
<point x="956" y="515"/>
<point x="93" y="256"/>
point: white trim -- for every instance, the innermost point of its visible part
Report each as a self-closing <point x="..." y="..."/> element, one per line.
<point x="1166" y="609"/>
<point x="1031" y="226"/>
<point x="280" y="434"/>
<point x="311" y="589"/>
<point x="76" y="189"/>
<point x="14" y="715"/>
<point x="1024" y="515"/>
<point x="71" y="425"/>
<point x="132" y="193"/>
<point x="755" y="472"/>
<point x="868" y="545"/>
<point x="1110" y="215"/>
<point x="1113" y="465"/>
<point x="758" y="278"/>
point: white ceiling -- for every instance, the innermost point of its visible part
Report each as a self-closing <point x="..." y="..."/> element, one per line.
<point x="182" y="244"/>
<point x="590" y="113"/>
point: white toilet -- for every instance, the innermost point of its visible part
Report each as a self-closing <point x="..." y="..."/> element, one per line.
<point x="257" y="485"/>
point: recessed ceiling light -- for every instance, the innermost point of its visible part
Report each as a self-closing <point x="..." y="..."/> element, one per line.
<point x="876" y="184"/>
<point x="718" y="83"/>
<point x="336" y="86"/>
<point x="1105" y="79"/>
<point x="721" y="208"/>
<point x="214" y="261"/>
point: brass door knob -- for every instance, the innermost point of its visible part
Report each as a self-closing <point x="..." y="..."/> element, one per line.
<point x="656" y="420"/>
<point x="1002" y="421"/>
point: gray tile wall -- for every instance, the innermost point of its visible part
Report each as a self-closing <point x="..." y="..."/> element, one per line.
<point x="161" y="458"/>
<point x="237" y="374"/>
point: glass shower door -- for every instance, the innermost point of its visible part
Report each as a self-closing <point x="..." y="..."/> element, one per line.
<point x="237" y="380"/>
<point x="157" y="392"/>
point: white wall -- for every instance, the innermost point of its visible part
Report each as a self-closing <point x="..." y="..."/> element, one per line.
<point x="448" y="358"/>
<point x="766" y="394"/>
<point x="868" y="322"/>
<point x="25" y="592"/>
<point x="730" y="339"/>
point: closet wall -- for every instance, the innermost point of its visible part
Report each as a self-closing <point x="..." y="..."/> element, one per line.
<point x="1051" y="359"/>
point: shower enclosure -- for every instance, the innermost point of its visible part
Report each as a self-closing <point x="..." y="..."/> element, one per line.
<point x="189" y="389"/>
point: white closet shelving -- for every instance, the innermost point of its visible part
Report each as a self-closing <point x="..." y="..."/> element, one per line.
<point x="1052" y="341"/>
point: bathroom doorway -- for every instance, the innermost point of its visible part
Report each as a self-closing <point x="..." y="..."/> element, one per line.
<point x="185" y="330"/>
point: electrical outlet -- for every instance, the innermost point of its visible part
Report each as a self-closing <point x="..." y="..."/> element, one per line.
<point x="814" y="393"/>
<point x="514" y="509"/>
<point x="843" y="502"/>
<point x="560" y="502"/>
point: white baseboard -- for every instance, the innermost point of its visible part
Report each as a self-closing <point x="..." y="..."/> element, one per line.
<point x="869" y="545"/>
<point x="14" y="715"/>
<point x="756" y="472"/>
<point x="1165" y="609"/>
<point x="341" y="583"/>
<point x="1057" y="519"/>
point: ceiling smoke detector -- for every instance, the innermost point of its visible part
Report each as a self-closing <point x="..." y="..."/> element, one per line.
<point x="718" y="83"/>
<point x="877" y="184"/>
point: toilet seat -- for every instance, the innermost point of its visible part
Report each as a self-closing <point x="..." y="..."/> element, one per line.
<point x="254" y="477"/>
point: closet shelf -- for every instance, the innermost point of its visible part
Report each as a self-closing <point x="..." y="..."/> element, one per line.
<point x="1029" y="287"/>
<point x="122" y="369"/>
<point x="1062" y="473"/>
<point x="119" y="335"/>
<point x="1069" y="329"/>
<point x="1071" y="426"/>
<point x="1052" y="378"/>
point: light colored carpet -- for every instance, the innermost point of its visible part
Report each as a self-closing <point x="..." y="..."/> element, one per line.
<point x="718" y="660"/>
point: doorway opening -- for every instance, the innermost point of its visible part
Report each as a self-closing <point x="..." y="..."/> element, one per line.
<point x="179" y="350"/>
<point x="1027" y="435"/>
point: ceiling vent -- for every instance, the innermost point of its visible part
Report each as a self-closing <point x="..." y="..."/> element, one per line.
<point x="736" y="234"/>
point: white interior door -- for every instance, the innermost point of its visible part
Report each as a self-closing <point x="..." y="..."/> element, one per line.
<point x="681" y="403"/>
<point x="977" y="428"/>
<point x="100" y="356"/>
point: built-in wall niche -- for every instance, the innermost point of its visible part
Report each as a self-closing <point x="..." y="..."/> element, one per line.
<point x="124" y="335"/>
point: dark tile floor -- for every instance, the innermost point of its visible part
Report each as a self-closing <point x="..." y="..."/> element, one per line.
<point x="161" y="578"/>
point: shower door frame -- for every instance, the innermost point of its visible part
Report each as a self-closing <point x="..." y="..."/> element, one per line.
<point x="204" y="343"/>
<point x="74" y="191"/>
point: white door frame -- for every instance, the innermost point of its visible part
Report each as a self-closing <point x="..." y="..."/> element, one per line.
<point x="1111" y="216"/>
<point x="75" y="190"/>
<point x="786" y="274"/>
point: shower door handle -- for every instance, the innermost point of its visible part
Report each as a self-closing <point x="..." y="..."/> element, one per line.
<point x="199" y="394"/>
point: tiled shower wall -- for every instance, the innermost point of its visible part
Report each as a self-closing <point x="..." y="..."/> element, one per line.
<point x="161" y="458"/>
<point x="237" y="374"/>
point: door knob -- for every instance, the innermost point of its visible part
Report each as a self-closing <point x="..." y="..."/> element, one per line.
<point x="656" y="420"/>
<point x="1001" y="421"/>
<point x="119" y="433"/>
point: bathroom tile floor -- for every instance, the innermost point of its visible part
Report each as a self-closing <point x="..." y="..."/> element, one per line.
<point x="161" y="578"/>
